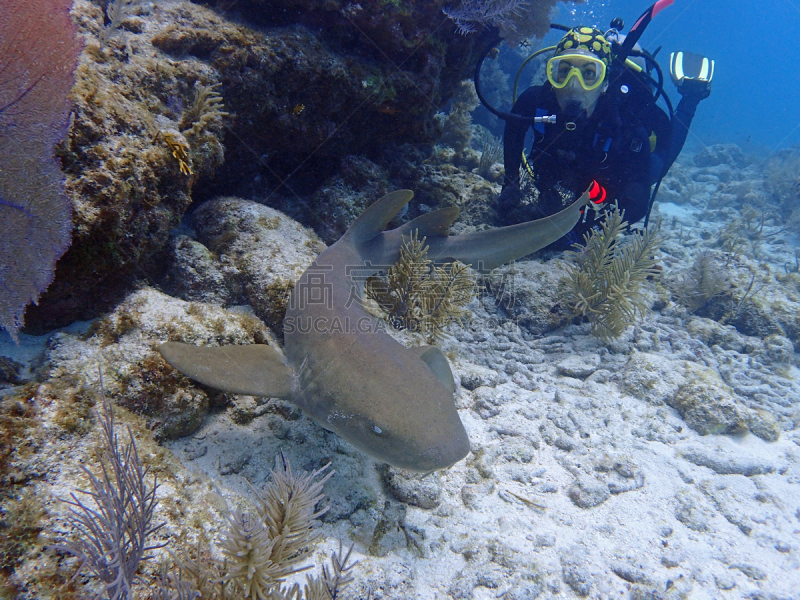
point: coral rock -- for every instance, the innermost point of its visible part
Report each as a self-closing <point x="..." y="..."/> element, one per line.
<point x="708" y="405"/>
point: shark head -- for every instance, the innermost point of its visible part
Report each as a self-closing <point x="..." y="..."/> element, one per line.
<point x="401" y="443"/>
<point x="399" y="410"/>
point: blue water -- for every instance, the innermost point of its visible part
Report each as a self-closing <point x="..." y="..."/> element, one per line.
<point x="755" y="99"/>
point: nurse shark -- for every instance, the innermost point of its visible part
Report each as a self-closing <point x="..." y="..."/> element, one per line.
<point x="341" y="367"/>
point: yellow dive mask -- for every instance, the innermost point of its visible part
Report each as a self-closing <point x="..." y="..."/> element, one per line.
<point x="589" y="70"/>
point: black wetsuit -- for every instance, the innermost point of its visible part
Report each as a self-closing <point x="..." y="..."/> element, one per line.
<point x="611" y="147"/>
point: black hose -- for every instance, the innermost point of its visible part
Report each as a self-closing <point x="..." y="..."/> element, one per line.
<point x="505" y="116"/>
<point x="477" y="79"/>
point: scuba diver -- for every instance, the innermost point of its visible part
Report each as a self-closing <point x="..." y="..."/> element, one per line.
<point x="596" y="126"/>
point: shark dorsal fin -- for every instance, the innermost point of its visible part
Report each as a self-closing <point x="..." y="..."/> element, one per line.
<point x="434" y="223"/>
<point x="255" y="369"/>
<point x="384" y="248"/>
<point x="375" y="219"/>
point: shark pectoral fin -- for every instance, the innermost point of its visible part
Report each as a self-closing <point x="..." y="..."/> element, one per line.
<point x="255" y="369"/>
<point x="438" y="363"/>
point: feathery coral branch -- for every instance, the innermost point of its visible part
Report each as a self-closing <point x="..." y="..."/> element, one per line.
<point x="604" y="277"/>
<point x="115" y="526"/>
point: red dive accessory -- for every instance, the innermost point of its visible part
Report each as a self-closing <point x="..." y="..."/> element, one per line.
<point x="597" y="193"/>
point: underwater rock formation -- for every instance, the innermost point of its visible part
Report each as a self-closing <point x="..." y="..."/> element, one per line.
<point x="125" y="176"/>
<point x="260" y="252"/>
<point x="295" y="97"/>
<point x="529" y="294"/>
<point x="315" y="81"/>
<point x="138" y="379"/>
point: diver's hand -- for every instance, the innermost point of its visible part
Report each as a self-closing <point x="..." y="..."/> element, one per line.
<point x="692" y="74"/>
<point x="695" y="89"/>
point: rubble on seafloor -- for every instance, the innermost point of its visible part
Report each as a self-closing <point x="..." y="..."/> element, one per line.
<point x="664" y="463"/>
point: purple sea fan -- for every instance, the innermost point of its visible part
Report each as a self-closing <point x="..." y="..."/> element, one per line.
<point x="38" y="54"/>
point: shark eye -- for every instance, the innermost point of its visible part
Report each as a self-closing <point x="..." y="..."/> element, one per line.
<point x="377" y="429"/>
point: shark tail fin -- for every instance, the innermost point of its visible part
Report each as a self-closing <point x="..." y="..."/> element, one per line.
<point x="375" y="219"/>
<point x="487" y="249"/>
<point x="256" y="369"/>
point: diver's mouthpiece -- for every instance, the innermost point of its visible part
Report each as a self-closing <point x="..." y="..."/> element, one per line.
<point x="573" y="112"/>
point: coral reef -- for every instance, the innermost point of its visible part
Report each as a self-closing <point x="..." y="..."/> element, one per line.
<point x="657" y="456"/>
<point x="21" y="509"/>
<point x="743" y="234"/>
<point x="149" y="120"/>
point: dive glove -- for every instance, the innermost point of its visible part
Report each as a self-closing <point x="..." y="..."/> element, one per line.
<point x="692" y="74"/>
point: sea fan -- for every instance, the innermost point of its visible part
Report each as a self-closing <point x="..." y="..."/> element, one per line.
<point x="488" y="13"/>
<point x="515" y="20"/>
<point x="115" y="526"/>
<point x="38" y="55"/>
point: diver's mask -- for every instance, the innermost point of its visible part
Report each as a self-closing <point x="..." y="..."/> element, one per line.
<point x="589" y="71"/>
<point x="578" y="81"/>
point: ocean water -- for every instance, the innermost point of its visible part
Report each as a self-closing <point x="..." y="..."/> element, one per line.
<point x="599" y="469"/>
<point x="754" y="99"/>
